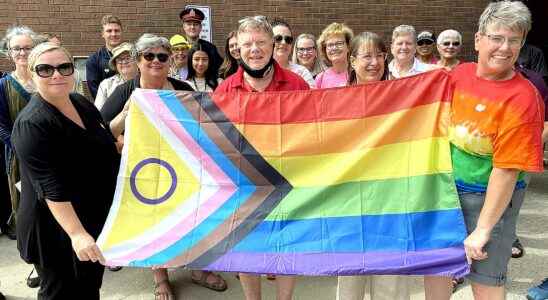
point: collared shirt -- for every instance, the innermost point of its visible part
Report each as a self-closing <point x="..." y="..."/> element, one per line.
<point x="282" y="80"/>
<point x="417" y="68"/>
<point x="97" y="69"/>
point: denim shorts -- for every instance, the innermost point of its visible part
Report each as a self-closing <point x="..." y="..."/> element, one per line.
<point x="492" y="270"/>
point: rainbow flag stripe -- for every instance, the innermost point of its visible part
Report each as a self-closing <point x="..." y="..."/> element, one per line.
<point x="354" y="180"/>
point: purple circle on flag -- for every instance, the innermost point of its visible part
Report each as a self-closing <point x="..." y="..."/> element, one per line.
<point x="138" y="168"/>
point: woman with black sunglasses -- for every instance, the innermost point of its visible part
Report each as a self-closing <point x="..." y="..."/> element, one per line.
<point x="449" y="45"/>
<point x="67" y="158"/>
<point x="153" y="61"/>
<point x="425" y="47"/>
<point x="283" y="43"/>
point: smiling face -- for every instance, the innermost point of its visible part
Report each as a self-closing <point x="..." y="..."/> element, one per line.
<point x="233" y="48"/>
<point x="403" y="48"/>
<point x="126" y="65"/>
<point x="336" y="49"/>
<point x="425" y="48"/>
<point x="180" y="56"/>
<point x="57" y="86"/>
<point x="256" y="48"/>
<point x="153" y="68"/>
<point x="281" y="48"/>
<point x="498" y="49"/>
<point x="200" y="63"/>
<point x="306" y="52"/>
<point x="449" y="47"/>
<point x="19" y="50"/>
<point x="112" y="34"/>
<point x="368" y="63"/>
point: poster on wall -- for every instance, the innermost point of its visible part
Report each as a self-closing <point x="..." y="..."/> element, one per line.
<point x="206" y="23"/>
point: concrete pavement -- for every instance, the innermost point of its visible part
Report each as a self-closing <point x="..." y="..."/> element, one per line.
<point x="132" y="283"/>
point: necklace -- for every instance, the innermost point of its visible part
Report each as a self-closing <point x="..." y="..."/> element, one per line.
<point x="196" y="85"/>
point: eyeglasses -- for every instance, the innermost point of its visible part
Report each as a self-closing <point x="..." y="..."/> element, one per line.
<point x="18" y="49"/>
<point x="336" y="45"/>
<point x="454" y="44"/>
<point x="279" y="38"/>
<point x="369" y="57"/>
<point x="162" y="57"/>
<point x="306" y="50"/>
<point x="124" y="60"/>
<point x="424" y="42"/>
<point x="45" y="70"/>
<point x="498" y="40"/>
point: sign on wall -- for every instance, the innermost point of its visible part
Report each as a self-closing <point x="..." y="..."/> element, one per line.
<point x="206" y="23"/>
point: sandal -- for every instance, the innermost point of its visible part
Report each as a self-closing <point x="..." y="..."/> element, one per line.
<point x="219" y="285"/>
<point x="519" y="247"/>
<point x="165" y="293"/>
<point x="455" y="282"/>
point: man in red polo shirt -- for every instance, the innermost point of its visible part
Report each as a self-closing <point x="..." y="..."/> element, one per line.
<point x="258" y="72"/>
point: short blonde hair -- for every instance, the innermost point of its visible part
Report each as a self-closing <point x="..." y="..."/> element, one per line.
<point x="43" y="48"/>
<point x="511" y="14"/>
<point x="331" y="30"/>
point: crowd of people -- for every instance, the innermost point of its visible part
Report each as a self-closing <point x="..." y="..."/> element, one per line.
<point x="48" y="127"/>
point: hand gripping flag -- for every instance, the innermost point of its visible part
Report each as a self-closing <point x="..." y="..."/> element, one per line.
<point x="353" y="180"/>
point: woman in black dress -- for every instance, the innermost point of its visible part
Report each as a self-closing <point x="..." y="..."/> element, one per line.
<point x="68" y="163"/>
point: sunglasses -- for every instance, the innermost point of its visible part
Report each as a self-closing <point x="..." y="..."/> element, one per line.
<point x="180" y="48"/>
<point x="279" y="38"/>
<point x="454" y="44"/>
<point x="162" y="57"/>
<point x="425" y="42"/>
<point x="45" y="70"/>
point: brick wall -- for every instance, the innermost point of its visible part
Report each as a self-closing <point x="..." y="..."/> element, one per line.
<point x="78" y="20"/>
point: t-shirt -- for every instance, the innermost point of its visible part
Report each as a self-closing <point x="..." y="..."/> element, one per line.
<point x="329" y="78"/>
<point x="282" y="80"/>
<point x="493" y="123"/>
<point x="304" y="73"/>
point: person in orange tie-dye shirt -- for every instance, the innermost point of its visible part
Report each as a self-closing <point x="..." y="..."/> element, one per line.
<point x="495" y="133"/>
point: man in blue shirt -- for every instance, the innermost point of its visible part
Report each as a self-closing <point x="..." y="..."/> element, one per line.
<point x="97" y="67"/>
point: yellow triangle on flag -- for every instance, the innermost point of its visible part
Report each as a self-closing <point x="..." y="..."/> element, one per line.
<point x="153" y="181"/>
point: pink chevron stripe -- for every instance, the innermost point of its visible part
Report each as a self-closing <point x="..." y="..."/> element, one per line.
<point x="226" y="187"/>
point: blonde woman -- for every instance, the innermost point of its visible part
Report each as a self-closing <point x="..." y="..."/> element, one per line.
<point x="334" y="47"/>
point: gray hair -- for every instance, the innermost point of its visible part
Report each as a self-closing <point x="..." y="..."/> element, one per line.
<point x="449" y="33"/>
<point x="43" y="48"/>
<point x="255" y="23"/>
<point x="404" y="30"/>
<point x="148" y="41"/>
<point x="17" y="30"/>
<point x="510" y="14"/>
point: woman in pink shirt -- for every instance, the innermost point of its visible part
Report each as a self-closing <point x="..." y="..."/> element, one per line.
<point x="334" y="42"/>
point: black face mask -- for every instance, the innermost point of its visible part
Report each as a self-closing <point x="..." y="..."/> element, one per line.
<point x="256" y="73"/>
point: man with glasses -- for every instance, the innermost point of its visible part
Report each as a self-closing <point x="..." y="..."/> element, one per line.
<point x="97" y="67"/>
<point x="259" y="72"/>
<point x="192" y="26"/>
<point x="495" y="133"/>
